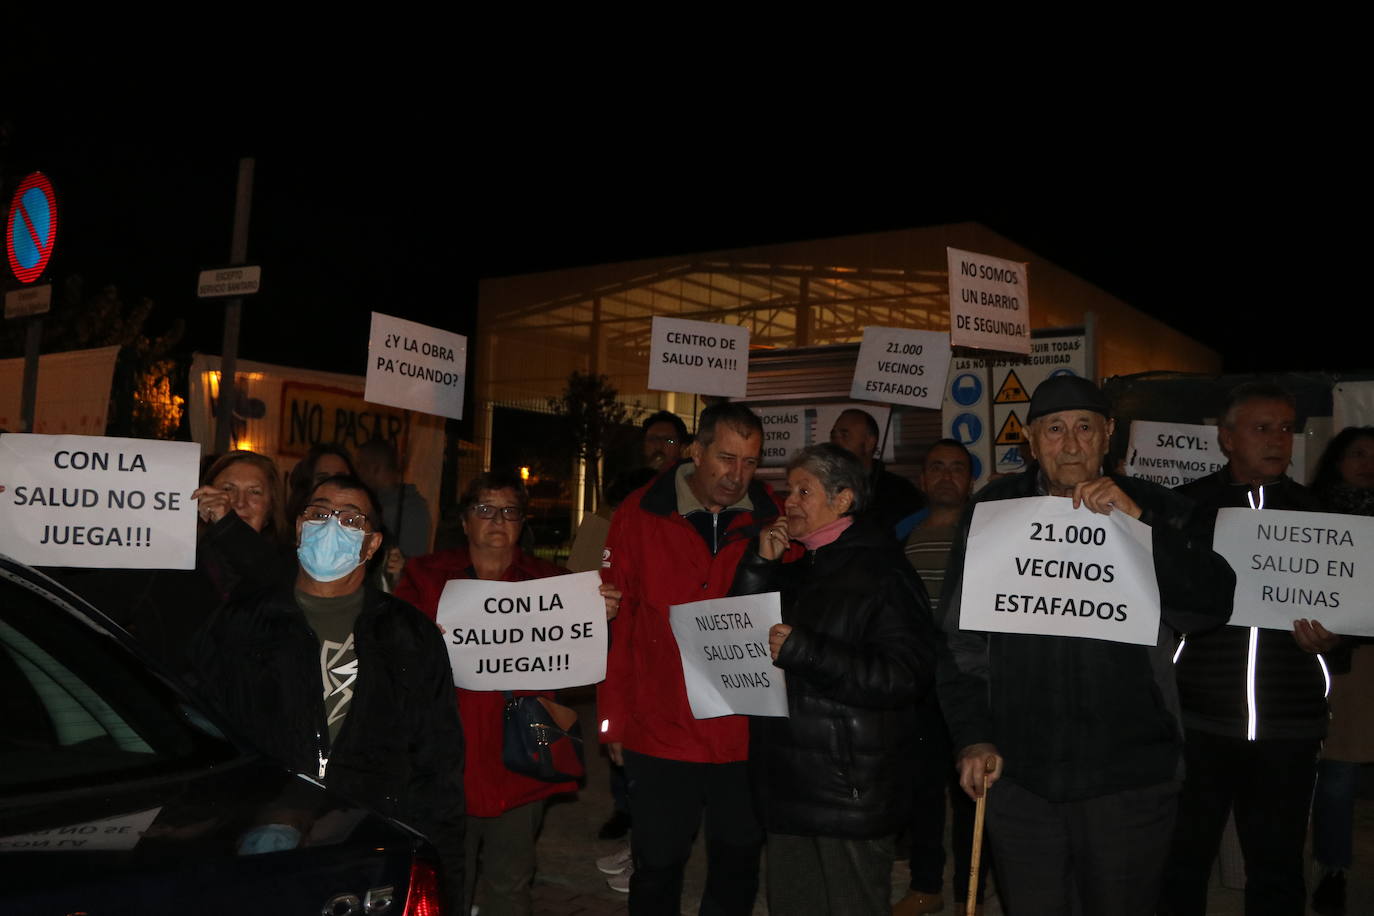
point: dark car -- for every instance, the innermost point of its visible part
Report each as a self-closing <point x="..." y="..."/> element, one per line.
<point x="119" y="796"/>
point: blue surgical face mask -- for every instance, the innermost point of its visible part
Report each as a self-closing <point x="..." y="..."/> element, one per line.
<point x="329" y="551"/>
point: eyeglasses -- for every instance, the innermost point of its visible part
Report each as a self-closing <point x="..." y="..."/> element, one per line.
<point x="509" y="513"/>
<point x="349" y="518"/>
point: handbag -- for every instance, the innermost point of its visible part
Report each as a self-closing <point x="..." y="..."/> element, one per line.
<point x="542" y="739"/>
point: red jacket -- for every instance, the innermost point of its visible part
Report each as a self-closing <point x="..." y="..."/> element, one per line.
<point x="491" y="789"/>
<point x="658" y="558"/>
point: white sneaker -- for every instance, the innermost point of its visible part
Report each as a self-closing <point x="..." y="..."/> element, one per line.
<point x="621" y="882"/>
<point x="616" y="863"/>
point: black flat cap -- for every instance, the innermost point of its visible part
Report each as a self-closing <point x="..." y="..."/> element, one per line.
<point x="1067" y="392"/>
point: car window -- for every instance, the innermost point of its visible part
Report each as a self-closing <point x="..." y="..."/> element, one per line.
<point x="79" y="705"/>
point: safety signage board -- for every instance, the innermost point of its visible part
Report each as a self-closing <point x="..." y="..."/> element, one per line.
<point x="31" y="227"/>
<point x="999" y="444"/>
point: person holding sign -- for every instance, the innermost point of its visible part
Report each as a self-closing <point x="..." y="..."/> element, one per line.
<point x="1254" y="700"/>
<point x="344" y="683"/>
<point x="505" y="808"/>
<point x="858" y="647"/>
<point x="1082" y="735"/>
<point x="677" y="541"/>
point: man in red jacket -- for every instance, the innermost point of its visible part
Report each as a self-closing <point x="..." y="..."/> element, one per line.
<point x="675" y="541"/>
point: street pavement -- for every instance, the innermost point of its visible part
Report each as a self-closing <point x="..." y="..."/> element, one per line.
<point x="568" y="884"/>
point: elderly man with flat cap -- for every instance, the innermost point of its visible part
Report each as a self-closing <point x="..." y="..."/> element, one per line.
<point x="1081" y="736"/>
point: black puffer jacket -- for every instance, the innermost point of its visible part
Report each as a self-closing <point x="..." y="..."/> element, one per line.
<point x="860" y="655"/>
<point x="1289" y="689"/>
<point x="400" y="749"/>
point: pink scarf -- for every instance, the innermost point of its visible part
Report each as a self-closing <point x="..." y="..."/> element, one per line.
<point x="826" y="534"/>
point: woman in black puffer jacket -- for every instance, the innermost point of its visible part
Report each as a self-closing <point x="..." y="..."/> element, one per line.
<point x="833" y="780"/>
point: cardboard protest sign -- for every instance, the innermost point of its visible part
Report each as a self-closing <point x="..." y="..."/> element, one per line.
<point x="541" y="634"/>
<point x="1291" y="565"/>
<point x="701" y="357"/>
<point x="98" y="501"/>
<point x="901" y="366"/>
<point x="1172" y="454"/>
<point x="989" y="302"/>
<point x="784" y="431"/>
<point x="725" y="660"/>
<point x="416" y="367"/>
<point x="1039" y="566"/>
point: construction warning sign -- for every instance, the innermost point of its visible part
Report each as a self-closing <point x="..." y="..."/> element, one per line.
<point x="1012" y="391"/>
<point x="1012" y="432"/>
<point x="982" y="400"/>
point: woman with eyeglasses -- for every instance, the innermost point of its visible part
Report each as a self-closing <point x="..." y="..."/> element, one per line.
<point x="505" y="809"/>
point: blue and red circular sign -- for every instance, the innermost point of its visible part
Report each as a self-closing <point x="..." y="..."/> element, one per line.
<point x="31" y="227"/>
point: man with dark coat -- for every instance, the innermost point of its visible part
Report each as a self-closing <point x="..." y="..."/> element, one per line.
<point x="344" y="683"/>
<point x="1081" y="736"/>
<point x="1254" y="700"/>
<point x="891" y="498"/>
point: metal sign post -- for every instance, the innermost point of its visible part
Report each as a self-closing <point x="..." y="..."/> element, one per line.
<point x="30" y="236"/>
<point x="233" y="309"/>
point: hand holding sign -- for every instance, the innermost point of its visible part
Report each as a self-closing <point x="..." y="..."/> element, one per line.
<point x="1103" y="496"/>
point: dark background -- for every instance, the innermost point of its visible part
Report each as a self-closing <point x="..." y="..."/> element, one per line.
<point x="1255" y="250"/>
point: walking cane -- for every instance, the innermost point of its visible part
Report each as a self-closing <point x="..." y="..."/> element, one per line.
<point x="980" y="808"/>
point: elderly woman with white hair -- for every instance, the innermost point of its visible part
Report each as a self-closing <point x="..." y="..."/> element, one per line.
<point x="832" y="781"/>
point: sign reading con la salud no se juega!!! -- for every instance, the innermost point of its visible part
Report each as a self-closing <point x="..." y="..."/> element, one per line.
<point x="1299" y="565"/>
<point x="416" y="367"/>
<point x="540" y="634"/>
<point x="726" y="664"/>
<point x="1039" y="566"/>
<point x="1172" y="454"/>
<point x="901" y="366"/>
<point x="98" y="501"/>
<point x="699" y="357"/>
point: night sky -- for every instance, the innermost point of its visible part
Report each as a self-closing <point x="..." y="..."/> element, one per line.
<point x="404" y="216"/>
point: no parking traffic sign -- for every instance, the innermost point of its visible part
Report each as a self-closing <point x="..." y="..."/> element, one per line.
<point x="31" y="227"/>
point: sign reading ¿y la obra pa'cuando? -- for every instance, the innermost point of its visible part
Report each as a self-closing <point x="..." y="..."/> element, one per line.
<point x="415" y="367"/>
<point x="700" y="357"/>
<point x="1291" y="565"/>
<point x="1039" y="566"/>
<point x="902" y="366"/>
<point x="725" y="660"/>
<point x="98" y="501"/>
<point x="540" y="634"/>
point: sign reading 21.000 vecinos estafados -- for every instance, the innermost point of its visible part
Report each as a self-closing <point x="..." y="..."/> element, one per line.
<point x="1040" y="566"/>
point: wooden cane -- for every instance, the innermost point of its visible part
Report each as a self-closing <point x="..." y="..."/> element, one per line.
<point x="980" y="808"/>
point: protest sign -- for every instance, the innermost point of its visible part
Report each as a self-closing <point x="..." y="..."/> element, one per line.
<point x="540" y="634"/>
<point x="415" y="366"/>
<point x="725" y="660"/>
<point x="700" y="357"/>
<point x="1291" y="565"/>
<point x="98" y="501"/>
<point x="1172" y="454"/>
<point x="989" y="302"/>
<point x="901" y="366"/>
<point x="784" y="431"/>
<point x="121" y="832"/>
<point x="1039" y="566"/>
